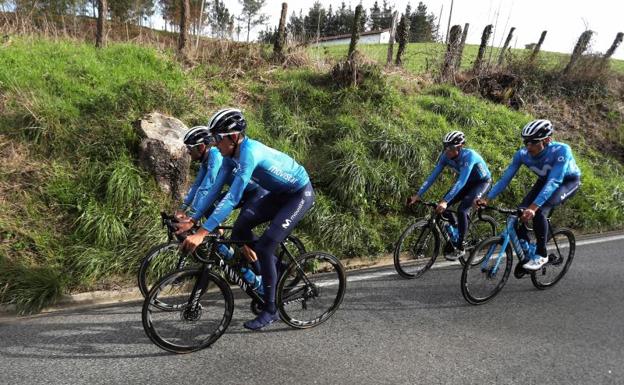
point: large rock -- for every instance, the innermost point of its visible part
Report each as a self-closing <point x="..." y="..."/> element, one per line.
<point x="162" y="152"/>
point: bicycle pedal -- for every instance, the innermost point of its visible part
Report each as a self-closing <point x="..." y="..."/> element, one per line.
<point x="519" y="272"/>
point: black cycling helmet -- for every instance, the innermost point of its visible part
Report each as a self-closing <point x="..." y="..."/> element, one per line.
<point x="197" y="135"/>
<point x="537" y="130"/>
<point x="227" y="121"/>
<point x="454" y="138"/>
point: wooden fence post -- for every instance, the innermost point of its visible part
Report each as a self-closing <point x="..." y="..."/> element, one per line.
<point x="448" y="66"/>
<point x="501" y="56"/>
<point x="537" y="47"/>
<point x="485" y="37"/>
<point x="280" y="39"/>
<point x="460" y="51"/>
<point x="581" y="46"/>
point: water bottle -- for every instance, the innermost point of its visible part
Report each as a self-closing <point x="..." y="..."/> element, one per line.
<point x="453" y="233"/>
<point x="226" y="252"/>
<point x="252" y="279"/>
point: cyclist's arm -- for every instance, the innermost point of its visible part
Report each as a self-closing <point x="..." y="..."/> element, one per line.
<point x="509" y="173"/>
<point x="203" y="192"/>
<point x="193" y="190"/>
<point x="461" y="180"/>
<point x="434" y="175"/>
<point x="555" y="176"/>
<point x="234" y="195"/>
<point x="211" y="194"/>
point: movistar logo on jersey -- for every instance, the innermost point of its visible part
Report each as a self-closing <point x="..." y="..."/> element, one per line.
<point x="541" y="171"/>
<point x="284" y="175"/>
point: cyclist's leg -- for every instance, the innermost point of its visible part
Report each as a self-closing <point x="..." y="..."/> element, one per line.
<point x="526" y="202"/>
<point x="566" y="190"/>
<point x="474" y="191"/>
<point x="250" y="217"/>
<point x="288" y="211"/>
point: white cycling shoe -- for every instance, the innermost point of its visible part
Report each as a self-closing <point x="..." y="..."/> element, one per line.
<point x="535" y="263"/>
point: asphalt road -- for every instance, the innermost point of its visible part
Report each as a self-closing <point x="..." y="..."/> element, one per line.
<point x="387" y="331"/>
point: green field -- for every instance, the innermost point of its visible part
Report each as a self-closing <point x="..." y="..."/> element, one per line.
<point x="419" y="57"/>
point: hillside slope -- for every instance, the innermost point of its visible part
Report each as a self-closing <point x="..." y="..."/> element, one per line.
<point x="76" y="213"/>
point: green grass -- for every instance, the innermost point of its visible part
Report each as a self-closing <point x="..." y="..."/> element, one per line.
<point x="78" y="214"/>
<point x="421" y="57"/>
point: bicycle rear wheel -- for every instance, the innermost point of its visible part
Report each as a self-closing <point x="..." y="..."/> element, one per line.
<point x="480" y="282"/>
<point x="175" y="327"/>
<point x="416" y="250"/>
<point x="560" y="247"/>
<point x="311" y="290"/>
<point x="482" y="228"/>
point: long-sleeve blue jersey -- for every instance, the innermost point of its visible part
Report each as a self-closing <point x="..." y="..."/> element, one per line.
<point x="554" y="163"/>
<point x="206" y="176"/>
<point x="272" y="170"/>
<point x="468" y="164"/>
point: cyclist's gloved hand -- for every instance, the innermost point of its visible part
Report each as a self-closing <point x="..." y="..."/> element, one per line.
<point x="528" y="213"/>
<point x="184" y="226"/>
<point x="441" y="207"/>
<point x="412" y="200"/>
<point x="180" y="215"/>
<point x="192" y="241"/>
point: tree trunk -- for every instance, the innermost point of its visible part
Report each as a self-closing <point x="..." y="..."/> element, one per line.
<point x="355" y="31"/>
<point x="581" y="46"/>
<point x="614" y="46"/>
<point x="537" y="47"/>
<point x="501" y="56"/>
<point x="485" y="37"/>
<point x="100" y="34"/>
<point x="184" y="24"/>
<point x="391" y="42"/>
<point x="200" y="23"/>
<point x="451" y="52"/>
<point x="460" y="50"/>
<point x="403" y="37"/>
<point x="248" y="27"/>
<point x="280" y="39"/>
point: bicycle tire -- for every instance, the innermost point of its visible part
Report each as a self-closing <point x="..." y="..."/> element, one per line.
<point x="557" y="262"/>
<point x="179" y="285"/>
<point x="322" y="287"/>
<point x="159" y="260"/>
<point x="407" y="257"/>
<point x="475" y="272"/>
<point x="480" y="229"/>
<point x="299" y="247"/>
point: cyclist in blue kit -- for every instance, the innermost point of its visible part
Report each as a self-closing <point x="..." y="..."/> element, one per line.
<point x="198" y="142"/>
<point x="201" y="198"/>
<point x="290" y="196"/>
<point x="558" y="179"/>
<point x="473" y="180"/>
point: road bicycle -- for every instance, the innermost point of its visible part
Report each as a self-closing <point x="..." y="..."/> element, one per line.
<point x="166" y="257"/>
<point x="420" y="243"/>
<point x="189" y="309"/>
<point x="490" y="263"/>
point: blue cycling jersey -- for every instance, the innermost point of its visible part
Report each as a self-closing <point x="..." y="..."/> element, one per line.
<point x="206" y="176"/>
<point x="468" y="164"/>
<point x="554" y="163"/>
<point x="224" y="177"/>
<point x="273" y="170"/>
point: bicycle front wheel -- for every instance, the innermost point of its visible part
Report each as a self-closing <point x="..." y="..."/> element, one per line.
<point x="480" y="282"/>
<point x="560" y="247"/>
<point x="158" y="261"/>
<point x="311" y="290"/>
<point x="416" y="250"/>
<point x="178" y="328"/>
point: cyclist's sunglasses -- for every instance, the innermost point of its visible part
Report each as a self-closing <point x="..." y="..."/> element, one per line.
<point x="531" y="141"/>
<point x="451" y="147"/>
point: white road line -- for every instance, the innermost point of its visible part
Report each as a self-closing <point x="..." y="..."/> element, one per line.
<point x="442" y="264"/>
